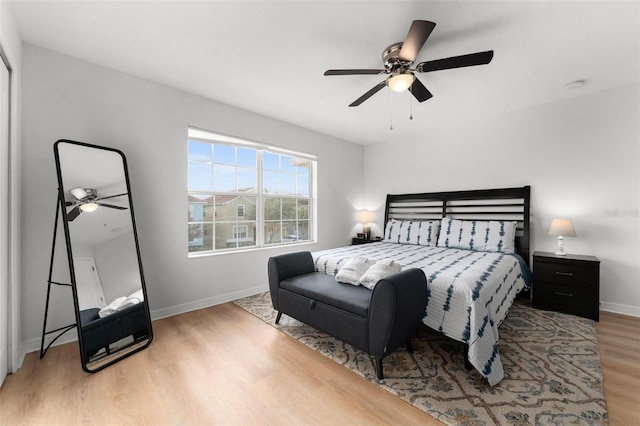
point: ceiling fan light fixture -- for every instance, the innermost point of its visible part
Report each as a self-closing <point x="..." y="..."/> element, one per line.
<point x="400" y="82"/>
<point x="89" y="207"/>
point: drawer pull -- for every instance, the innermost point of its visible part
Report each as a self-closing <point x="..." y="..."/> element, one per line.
<point x="564" y="294"/>
<point x="566" y="274"/>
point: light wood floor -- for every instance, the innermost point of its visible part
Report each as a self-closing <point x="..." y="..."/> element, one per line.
<point x="222" y="365"/>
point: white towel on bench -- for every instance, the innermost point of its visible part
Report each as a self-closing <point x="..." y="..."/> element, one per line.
<point x="382" y="269"/>
<point x="353" y="270"/>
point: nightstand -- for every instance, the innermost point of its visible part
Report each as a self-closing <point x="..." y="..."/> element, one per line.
<point x="355" y="241"/>
<point x="569" y="284"/>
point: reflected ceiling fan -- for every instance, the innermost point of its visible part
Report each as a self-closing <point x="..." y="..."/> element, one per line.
<point x="86" y="200"/>
<point x="398" y="61"/>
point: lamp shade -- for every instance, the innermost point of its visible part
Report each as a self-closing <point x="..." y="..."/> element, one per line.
<point x="563" y="227"/>
<point x="366" y="216"/>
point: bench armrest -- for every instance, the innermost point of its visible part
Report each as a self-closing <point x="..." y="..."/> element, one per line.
<point x="286" y="266"/>
<point x="397" y="307"/>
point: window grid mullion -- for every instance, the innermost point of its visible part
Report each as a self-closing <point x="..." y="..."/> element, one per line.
<point x="259" y="202"/>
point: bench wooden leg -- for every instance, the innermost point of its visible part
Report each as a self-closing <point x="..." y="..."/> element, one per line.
<point x="278" y="317"/>
<point x="379" y="368"/>
<point x="409" y="347"/>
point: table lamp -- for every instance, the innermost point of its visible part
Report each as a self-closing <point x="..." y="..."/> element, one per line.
<point x="366" y="217"/>
<point x="562" y="228"/>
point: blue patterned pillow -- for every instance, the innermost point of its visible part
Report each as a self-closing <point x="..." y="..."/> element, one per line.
<point x="478" y="235"/>
<point x="417" y="232"/>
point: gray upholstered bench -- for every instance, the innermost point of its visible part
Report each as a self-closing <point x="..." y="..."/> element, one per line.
<point x="376" y="321"/>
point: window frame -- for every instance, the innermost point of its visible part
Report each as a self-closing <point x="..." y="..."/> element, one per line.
<point x="206" y="136"/>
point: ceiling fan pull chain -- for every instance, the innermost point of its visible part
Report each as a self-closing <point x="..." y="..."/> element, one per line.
<point x="390" y="109"/>
<point x="411" y="103"/>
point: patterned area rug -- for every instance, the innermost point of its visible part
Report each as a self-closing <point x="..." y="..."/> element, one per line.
<point x="552" y="369"/>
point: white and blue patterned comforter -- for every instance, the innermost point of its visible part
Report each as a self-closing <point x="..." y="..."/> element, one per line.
<point x="468" y="292"/>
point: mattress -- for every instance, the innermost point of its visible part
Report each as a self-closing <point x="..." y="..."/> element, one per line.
<point x="468" y="292"/>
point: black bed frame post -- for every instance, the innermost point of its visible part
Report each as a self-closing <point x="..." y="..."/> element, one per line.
<point x="527" y="223"/>
<point x="386" y="213"/>
<point x="66" y="328"/>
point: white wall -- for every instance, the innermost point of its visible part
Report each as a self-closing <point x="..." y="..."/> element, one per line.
<point x="580" y="156"/>
<point x="67" y="98"/>
<point x="117" y="264"/>
<point x="10" y="42"/>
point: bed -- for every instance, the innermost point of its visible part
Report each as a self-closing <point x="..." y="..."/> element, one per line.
<point x="474" y="249"/>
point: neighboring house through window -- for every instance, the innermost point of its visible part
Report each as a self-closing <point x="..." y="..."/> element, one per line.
<point x="243" y="194"/>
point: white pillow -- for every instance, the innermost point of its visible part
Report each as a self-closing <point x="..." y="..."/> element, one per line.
<point x="478" y="235"/>
<point x="382" y="269"/>
<point x="418" y="232"/>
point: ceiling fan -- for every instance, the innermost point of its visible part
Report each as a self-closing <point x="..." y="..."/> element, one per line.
<point x="86" y="200"/>
<point x="398" y="61"/>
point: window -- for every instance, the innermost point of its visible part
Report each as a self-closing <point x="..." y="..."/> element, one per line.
<point x="243" y="194"/>
<point x="240" y="231"/>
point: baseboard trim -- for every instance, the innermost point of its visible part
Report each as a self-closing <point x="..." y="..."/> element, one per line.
<point x="33" y="345"/>
<point x="205" y="303"/>
<point x="619" y="308"/>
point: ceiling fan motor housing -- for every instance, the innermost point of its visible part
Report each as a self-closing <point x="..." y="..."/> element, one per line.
<point x="392" y="61"/>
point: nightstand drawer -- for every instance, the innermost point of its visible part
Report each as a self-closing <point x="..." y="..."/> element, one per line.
<point x="564" y="298"/>
<point x="567" y="274"/>
<point x="558" y="294"/>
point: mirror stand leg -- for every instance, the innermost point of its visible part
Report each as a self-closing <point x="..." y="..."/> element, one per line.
<point x="66" y="328"/>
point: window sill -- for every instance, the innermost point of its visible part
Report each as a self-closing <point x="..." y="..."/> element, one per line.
<point x="239" y="251"/>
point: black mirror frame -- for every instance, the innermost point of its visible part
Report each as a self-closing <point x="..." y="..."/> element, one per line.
<point x="67" y="236"/>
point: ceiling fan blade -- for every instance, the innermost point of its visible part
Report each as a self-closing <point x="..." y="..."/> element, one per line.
<point x="75" y="212"/>
<point x="420" y="92"/>
<point x="418" y="33"/>
<point x="110" y="196"/>
<point x="112" y="206"/>
<point x="479" y="58"/>
<point x="79" y="193"/>
<point x="370" y="93"/>
<point x="353" y="72"/>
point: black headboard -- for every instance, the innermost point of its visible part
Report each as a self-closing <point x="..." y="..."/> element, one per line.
<point x="482" y="204"/>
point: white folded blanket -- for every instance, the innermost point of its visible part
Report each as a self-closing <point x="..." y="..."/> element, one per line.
<point x="133" y="299"/>
<point x="353" y="270"/>
<point x="121" y="303"/>
<point x="111" y="307"/>
<point x="382" y="269"/>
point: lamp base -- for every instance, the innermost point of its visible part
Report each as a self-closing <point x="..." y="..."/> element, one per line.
<point x="367" y="231"/>
<point x="560" y="248"/>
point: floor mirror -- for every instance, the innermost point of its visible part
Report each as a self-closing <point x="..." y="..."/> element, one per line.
<point x="103" y="254"/>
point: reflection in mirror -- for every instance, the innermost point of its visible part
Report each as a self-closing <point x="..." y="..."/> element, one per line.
<point x="106" y="273"/>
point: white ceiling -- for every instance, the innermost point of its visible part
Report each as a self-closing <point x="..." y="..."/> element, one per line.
<point x="269" y="56"/>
